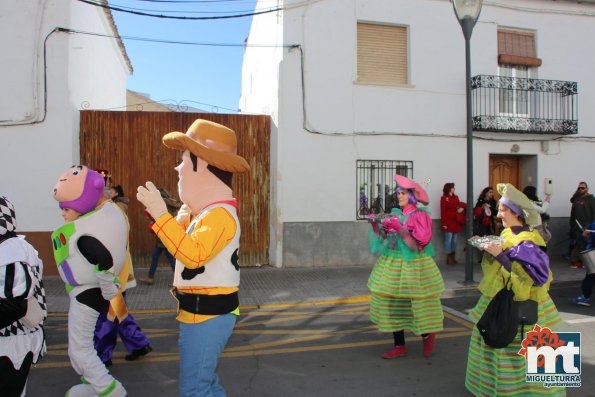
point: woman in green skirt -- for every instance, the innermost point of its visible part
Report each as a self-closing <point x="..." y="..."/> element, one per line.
<point x="521" y="257"/>
<point x="405" y="284"/>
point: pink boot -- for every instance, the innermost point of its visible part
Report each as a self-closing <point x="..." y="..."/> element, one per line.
<point x="429" y="343"/>
<point x="397" y="351"/>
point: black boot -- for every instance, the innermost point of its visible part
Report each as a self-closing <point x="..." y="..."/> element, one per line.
<point x="143" y="351"/>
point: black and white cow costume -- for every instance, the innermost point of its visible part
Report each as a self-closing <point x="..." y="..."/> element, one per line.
<point x="22" y="305"/>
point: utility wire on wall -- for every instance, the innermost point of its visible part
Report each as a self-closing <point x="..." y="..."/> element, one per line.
<point x="45" y="87"/>
<point x="306" y="124"/>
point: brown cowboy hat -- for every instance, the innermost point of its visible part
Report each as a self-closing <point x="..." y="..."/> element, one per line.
<point x="212" y="142"/>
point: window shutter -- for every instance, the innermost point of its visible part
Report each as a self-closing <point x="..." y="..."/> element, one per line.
<point x="517" y="48"/>
<point x="381" y="54"/>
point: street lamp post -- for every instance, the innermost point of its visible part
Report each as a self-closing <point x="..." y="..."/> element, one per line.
<point x="467" y="12"/>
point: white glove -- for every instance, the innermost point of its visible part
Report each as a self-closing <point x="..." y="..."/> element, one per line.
<point x="34" y="315"/>
<point x="150" y="197"/>
<point x="184" y="214"/>
<point x="109" y="284"/>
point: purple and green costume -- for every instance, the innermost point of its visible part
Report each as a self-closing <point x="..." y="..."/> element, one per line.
<point x="501" y="372"/>
<point x="405" y="284"/>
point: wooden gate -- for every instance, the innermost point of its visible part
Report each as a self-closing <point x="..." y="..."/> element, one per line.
<point x="128" y="145"/>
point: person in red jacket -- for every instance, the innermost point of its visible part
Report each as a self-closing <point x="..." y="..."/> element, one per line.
<point x="452" y="212"/>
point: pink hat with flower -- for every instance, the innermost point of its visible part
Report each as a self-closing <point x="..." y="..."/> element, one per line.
<point x="418" y="192"/>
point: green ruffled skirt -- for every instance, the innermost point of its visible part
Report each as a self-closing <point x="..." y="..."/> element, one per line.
<point x="501" y="372"/>
<point x="405" y="295"/>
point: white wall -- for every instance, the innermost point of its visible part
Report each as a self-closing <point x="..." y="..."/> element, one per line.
<point x="260" y="93"/>
<point x="424" y="122"/>
<point x="36" y="150"/>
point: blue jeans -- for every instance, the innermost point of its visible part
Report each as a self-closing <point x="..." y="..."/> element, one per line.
<point x="450" y="242"/>
<point x="200" y="347"/>
<point x="155" y="259"/>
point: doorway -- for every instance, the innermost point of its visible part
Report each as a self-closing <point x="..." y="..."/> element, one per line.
<point x="504" y="168"/>
<point x="518" y="170"/>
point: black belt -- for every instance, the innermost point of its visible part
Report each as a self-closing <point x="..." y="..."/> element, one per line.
<point x="207" y="304"/>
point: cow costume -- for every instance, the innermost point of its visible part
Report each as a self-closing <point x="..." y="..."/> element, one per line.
<point x="22" y="305"/>
<point x="204" y="238"/>
<point x="89" y="253"/>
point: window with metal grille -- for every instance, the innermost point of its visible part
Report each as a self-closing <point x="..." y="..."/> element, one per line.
<point x="382" y="54"/>
<point x="376" y="185"/>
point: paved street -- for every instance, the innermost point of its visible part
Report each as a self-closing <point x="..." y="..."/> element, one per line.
<point x="324" y="348"/>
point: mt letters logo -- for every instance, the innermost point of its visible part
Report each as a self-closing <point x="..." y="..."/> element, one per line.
<point x="553" y="358"/>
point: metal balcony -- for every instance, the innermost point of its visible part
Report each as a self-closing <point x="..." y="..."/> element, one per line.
<point x="526" y="106"/>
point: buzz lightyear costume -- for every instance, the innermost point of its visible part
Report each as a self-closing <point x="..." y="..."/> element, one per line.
<point x="77" y="274"/>
<point x="89" y="252"/>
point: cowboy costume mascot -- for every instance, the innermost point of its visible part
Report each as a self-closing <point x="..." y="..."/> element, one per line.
<point x="405" y="284"/>
<point x="89" y="252"/>
<point x="204" y="238"/>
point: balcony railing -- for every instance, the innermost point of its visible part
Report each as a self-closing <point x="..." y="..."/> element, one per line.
<point x="530" y="106"/>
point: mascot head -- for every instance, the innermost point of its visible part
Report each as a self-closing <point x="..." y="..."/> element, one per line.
<point x="209" y="160"/>
<point x="79" y="188"/>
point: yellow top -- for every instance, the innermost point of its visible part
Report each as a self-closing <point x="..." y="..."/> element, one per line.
<point x="208" y="238"/>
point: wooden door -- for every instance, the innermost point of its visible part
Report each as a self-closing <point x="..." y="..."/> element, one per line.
<point x="504" y="169"/>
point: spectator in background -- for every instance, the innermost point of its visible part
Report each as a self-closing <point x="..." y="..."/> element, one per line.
<point x="117" y="196"/>
<point x="541" y="208"/>
<point x="173" y="206"/>
<point x="571" y="240"/>
<point x="363" y="202"/>
<point x="581" y="214"/>
<point x="389" y="199"/>
<point x="450" y="209"/>
<point x="589" y="280"/>
<point x="484" y="212"/>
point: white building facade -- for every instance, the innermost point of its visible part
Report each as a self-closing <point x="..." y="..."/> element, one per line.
<point x="51" y="69"/>
<point x="346" y="81"/>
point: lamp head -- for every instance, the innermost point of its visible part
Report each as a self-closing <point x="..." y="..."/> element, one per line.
<point x="467" y="9"/>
